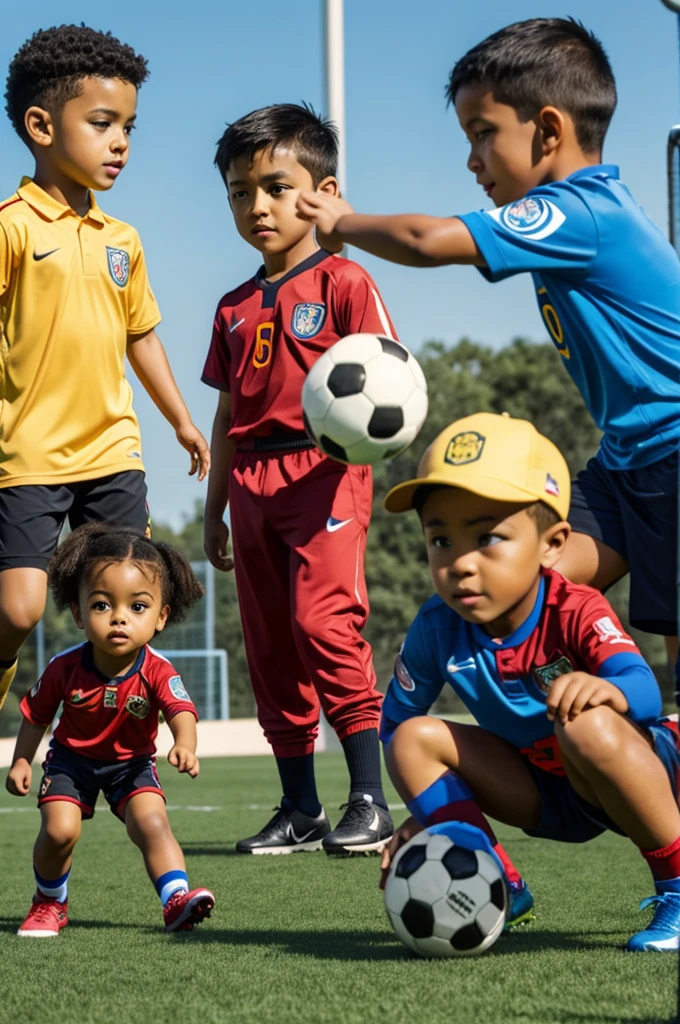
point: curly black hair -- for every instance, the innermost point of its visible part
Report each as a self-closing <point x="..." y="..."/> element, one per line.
<point x="96" y="544"/>
<point x="49" y="68"/>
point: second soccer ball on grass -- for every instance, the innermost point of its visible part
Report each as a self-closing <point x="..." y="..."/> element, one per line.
<point x="365" y="399"/>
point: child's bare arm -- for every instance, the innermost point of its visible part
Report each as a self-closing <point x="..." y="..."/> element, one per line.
<point x="215" y="530"/>
<point x="150" y="363"/>
<point x="413" y="239"/>
<point x="20" y="774"/>
<point x="183" y="753"/>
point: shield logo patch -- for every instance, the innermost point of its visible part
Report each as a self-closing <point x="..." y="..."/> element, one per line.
<point x="119" y="265"/>
<point x="308" y="319"/>
<point x="137" y="705"/>
<point x="464" y="447"/>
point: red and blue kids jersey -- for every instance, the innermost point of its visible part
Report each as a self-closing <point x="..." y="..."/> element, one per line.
<point x="266" y="337"/>
<point x="608" y="288"/>
<point x="107" y="719"/>
<point x="504" y="685"/>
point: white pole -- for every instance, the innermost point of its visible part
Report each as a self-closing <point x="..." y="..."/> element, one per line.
<point x="335" y="79"/>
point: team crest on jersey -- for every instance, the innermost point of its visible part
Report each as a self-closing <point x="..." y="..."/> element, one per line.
<point x="532" y="217"/>
<point x="110" y="697"/>
<point x="119" y="265"/>
<point x="308" y="319"/>
<point x="464" y="447"/>
<point x="545" y="675"/>
<point x="402" y="675"/>
<point x="137" y="705"/>
<point x="177" y="688"/>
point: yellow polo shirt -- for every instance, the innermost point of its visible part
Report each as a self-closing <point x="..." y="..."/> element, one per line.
<point x="72" y="289"/>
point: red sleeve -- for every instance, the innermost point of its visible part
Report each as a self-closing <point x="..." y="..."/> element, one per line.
<point x="360" y="308"/>
<point x="171" y="694"/>
<point x="597" y="634"/>
<point x="218" y="362"/>
<point x="40" y="704"/>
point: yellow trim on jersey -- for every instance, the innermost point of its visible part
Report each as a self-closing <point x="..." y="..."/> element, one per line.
<point x="72" y="289"/>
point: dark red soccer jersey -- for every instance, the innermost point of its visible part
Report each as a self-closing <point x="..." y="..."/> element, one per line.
<point x="267" y="336"/>
<point x="107" y="719"/>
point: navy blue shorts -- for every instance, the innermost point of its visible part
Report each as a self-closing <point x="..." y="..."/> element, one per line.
<point x="635" y="512"/>
<point x="79" y="780"/>
<point x="32" y="515"/>
<point x="568" y="818"/>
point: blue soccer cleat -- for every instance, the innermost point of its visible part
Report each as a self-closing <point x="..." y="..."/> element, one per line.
<point x="662" y="935"/>
<point x="520" y="906"/>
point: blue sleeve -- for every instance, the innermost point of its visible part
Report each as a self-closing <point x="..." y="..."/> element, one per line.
<point x="633" y="676"/>
<point x="416" y="683"/>
<point x="550" y="229"/>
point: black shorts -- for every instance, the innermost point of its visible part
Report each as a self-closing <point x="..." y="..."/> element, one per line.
<point x="32" y="515"/>
<point x="79" y="780"/>
<point x="635" y="512"/>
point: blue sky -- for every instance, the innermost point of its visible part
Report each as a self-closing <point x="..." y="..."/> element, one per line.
<point x="212" y="62"/>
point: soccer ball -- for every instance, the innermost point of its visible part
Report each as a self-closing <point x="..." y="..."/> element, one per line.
<point x="365" y="399"/>
<point x="443" y="898"/>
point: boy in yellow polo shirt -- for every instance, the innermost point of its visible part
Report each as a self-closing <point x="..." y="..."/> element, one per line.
<point x="74" y="301"/>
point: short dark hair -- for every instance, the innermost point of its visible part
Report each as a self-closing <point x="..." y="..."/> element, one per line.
<point x="545" y="62"/>
<point x="49" y="69"/>
<point x="99" y="544"/>
<point x="314" y="139"/>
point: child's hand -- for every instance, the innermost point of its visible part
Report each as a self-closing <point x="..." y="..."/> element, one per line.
<point x="324" y="211"/>
<point x="191" y="438"/>
<point x="407" y="830"/>
<point x="215" y="541"/>
<point x="19" y="778"/>
<point x="184" y="760"/>
<point x="574" y="692"/>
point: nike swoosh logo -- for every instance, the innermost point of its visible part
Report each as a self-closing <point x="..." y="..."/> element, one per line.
<point x="336" y="524"/>
<point x="232" y="327"/>
<point x="41" y="255"/>
<point x="296" y="838"/>
<point x="375" y="824"/>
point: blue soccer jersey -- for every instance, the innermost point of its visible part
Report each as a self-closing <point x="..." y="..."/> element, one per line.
<point x="608" y="287"/>
<point x="504" y="685"/>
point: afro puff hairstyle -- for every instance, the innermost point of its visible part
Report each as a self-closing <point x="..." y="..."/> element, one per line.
<point x="49" y="68"/>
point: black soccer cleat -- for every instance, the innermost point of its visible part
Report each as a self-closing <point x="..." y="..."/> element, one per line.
<point x="363" y="828"/>
<point x="289" y="831"/>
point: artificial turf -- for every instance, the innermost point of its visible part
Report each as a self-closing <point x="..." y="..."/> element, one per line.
<point x="304" y="938"/>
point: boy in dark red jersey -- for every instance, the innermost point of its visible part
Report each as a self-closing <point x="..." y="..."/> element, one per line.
<point x="122" y="589"/>
<point x="299" y="518"/>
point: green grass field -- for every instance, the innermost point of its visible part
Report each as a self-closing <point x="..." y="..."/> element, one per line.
<point x="305" y="938"/>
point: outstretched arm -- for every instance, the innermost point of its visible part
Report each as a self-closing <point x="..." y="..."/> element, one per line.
<point x="150" y="363"/>
<point x="412" y="239"/>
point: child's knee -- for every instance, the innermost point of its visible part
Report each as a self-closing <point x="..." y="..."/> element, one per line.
<point x="150" y="827"/>
<point x="60" y="835"/>
<point x="420" y="736"/>
<point x="594" y="736"/>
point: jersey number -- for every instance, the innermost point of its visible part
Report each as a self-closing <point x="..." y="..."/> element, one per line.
<point x="555" y="329"/>
<point x="264" y="343"/>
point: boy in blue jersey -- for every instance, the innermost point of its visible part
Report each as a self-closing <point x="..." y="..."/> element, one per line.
<point x="535" y="101"/>
<point x="568" y="742"/>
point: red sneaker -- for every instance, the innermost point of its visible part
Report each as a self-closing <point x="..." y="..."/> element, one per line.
<point x="45" y="919"/>
<point x="185" y="909"/>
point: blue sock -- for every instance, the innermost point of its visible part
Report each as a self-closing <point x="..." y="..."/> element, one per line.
<point x="56" y="889"/>
<point x="170" y="883"/>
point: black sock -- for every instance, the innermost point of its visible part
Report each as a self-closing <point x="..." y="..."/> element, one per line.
<point x="8" y="664"/>
<point x="298" y="783"/>
<point x="362" y="753"/>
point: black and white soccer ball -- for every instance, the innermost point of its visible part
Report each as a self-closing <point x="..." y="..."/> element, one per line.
<point x="444" y="899"/>
<point x="365" y="399"/>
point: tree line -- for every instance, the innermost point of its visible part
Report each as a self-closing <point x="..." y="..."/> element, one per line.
<point x="524" y="379"/>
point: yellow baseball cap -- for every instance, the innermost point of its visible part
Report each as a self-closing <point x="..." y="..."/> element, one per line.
<point x="493" y="456"/>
